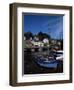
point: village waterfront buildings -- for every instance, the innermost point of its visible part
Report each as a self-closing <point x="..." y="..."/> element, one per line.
<point x="36" y="43"/>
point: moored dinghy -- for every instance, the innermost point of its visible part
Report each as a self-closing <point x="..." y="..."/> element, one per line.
<point x="49" y="63"/>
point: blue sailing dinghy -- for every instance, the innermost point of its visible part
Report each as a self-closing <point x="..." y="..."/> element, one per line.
<point x="49" y="63"/>
<point x="46" y="63"/>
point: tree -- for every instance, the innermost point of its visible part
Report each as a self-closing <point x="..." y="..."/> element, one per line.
<point x="28" y="35"/>
<point x="42" y="35"/>
<point x="46" y="36"/>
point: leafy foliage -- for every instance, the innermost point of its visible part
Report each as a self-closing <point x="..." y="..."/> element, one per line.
<point x="40" y="35"/>
<point x="28" y="35"/>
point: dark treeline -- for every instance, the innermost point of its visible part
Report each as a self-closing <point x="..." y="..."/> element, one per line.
<point x="40" y="35"/>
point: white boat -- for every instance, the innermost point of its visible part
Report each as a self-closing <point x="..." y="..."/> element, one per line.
<point x="59" y="55"/>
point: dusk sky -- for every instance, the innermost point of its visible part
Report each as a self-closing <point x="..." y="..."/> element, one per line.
<point x="52" y="25"/>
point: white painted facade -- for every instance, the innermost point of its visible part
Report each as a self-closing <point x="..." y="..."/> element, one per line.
<point x="45" y="40"/>
<point x="39" y="43"/>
